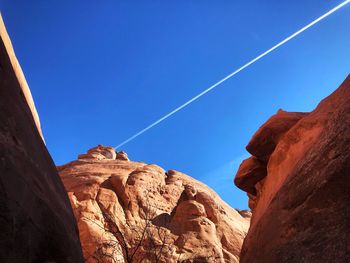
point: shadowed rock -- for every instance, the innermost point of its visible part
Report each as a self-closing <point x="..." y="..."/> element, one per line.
<point x="37" y="222"/>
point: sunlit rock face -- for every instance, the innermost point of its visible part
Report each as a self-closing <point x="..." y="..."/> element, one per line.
<point x="37" y="221"/>
<point x="298" y="182"/>
<point x="186" y="220"/>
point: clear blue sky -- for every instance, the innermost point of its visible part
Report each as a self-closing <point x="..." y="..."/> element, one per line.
<point x="100" y="72"/>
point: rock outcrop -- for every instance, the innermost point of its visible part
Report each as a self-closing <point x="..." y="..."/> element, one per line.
<point x="136" y="212"/>
<point x="37" y="222"/>
<point x="298" y="182"/>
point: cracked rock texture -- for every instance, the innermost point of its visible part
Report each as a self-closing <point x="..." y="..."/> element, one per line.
<point x="104" y="186"/>
<point x="298" y="182"/>
<point x="37" y="221"/>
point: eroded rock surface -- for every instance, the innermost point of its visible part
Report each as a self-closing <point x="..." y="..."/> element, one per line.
<point x="183" y="218"/>
<point x="37" y="221"/>
<point x="301" y="209"/>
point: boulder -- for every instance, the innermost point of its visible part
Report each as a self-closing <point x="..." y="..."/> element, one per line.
<point x="250" y="172"/>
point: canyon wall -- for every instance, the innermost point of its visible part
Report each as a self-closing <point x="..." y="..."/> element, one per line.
<point x="37" y="222"/>
<point x="298" y="181"/>
<point x="137" y="212"/>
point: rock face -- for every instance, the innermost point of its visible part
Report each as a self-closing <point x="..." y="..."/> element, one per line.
<point x="136" y="212"/>
<point x="37" y="222"/>
<point x="301" y="209"/>
<point x="16" y="67"/>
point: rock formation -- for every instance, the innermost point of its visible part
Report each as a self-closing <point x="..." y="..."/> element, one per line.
<point x="136" y="212"/>
<point x="37" y="222"/>
<point x="298" y="182"/>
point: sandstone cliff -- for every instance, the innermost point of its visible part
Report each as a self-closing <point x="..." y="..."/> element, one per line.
<point x="134" y="212"/>
<point x="17" y="70"/>
<point x="298" y="182"/>
<point x="37" y="222"/>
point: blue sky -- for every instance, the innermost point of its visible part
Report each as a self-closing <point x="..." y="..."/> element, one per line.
<point x="99" y="72"/>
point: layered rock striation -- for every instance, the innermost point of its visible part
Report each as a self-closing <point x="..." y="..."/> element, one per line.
<point x="37" y="221"/>
<point x="298" y="181"/>
<point x="137" y="212"/>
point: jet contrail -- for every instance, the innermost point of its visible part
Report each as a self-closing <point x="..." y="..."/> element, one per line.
<point x="235" y="72"/>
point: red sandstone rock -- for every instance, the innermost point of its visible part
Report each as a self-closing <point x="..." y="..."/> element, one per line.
<point x="197" y="224"/>
<point x="17" y="70"/>
<point x="122" y="156"/>
<point x="264" y="141"/>
<point x="301" y="212"/>
<point x="249" y="173"/>
<point x="101" y="152"/>
<point x="37" y="222"/>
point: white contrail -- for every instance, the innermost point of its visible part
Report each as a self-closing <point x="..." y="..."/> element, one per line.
<point x="235" y="72"/>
